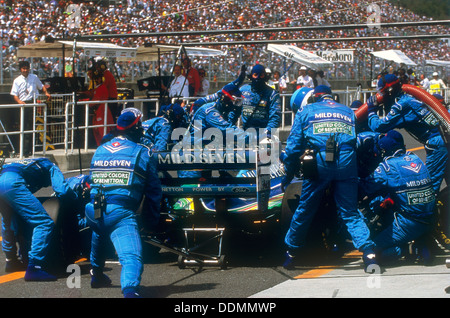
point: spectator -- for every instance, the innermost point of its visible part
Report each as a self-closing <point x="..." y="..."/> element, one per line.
<point x="303" y="79"/>
<point x="179" y="85"/>
<point x="48" y="19"/>
<point x="437" y="85"/>
<point x="424" y="82"/>
<point x="100" y="92"/>
<point x="204" y="87"/>
<point x="192" y="76"/>
<point x="412" y="79"/>
<point x="111" y="86"/>
<point x="279" y="82"/>
<point x="25" y="90"/>
<point x="320" y="79"/>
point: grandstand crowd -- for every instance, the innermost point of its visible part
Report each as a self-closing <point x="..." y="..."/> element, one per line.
<point x="24" y="22"/>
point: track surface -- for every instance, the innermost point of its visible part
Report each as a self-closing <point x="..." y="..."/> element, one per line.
<point x="254" y="271"/>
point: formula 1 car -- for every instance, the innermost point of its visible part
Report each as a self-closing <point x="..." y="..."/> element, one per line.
<point x="252" y="200"/>
<point x="230" y="190"/>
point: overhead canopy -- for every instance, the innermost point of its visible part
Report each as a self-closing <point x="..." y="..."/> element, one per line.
<point x="396" y="56"/>
<point x="65" y="49"/>
<point x="150" y="53"/>
<point x="298" y="55"/>
<point x="438" y="63"/>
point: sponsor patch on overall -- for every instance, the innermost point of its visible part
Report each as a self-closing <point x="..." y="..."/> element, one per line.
<point x="420" y="197"/>
<point x="332" y="127"/>
<point x="111" y="177"/>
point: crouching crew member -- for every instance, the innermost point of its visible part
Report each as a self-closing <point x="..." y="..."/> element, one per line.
<point x="403" y="181"/>
<point x="18" y="181"/>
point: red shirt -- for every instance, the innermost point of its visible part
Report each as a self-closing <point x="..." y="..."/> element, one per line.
<point x="110" y="83"/>
<point x="193" y="79"/>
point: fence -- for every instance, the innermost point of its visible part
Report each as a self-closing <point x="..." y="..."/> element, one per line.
<point x="65" y="124"/>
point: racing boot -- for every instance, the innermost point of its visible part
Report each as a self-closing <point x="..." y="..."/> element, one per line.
<point x="131" y="293"/>
<point x="420" y="252"/>
<point x="370" y="262"/>
<point x="37" y="274"/>
<point x="289" y="260"/>
<point x="98" y="279"/>
<point x="14" y="265"/>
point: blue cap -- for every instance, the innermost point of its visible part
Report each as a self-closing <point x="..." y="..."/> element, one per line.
<point x="259" y="70"/>
<point x="391" y="142"/>
<point x="322" y="90"/>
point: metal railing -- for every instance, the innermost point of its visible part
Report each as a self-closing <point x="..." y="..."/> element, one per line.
<point x="21" y="131"/>
<point x="56" y="124"/>
<point x="71" y="126"/>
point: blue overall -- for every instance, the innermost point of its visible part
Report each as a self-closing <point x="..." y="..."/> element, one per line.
<point x="411" y="114"/>
<point x="210" y="116"/>
<point x="404" y="178"/>
<point x="156" y="133"/>
<point x="18" y="181"/>
<point x="261" y="107"/>
<point x="125" y="172"/>
<point x="313" y="125"/>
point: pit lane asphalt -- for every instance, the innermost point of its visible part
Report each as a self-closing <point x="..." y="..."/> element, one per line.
<point x="254" y="271"/>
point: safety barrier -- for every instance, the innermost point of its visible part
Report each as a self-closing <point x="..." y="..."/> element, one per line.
<point x="21" y="132"/>
<point x="58" y="123"/>
<point x="72" y="128"/>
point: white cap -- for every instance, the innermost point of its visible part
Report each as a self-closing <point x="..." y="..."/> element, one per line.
<point x="303" y="68"/>
<point x="435" y="74"/>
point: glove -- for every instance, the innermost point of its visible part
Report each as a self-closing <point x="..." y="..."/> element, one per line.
<point x="387" y="203"/>
<point x="372" y="104"/>
<point x="241" y="77"/>
<point x="283" y="156"/>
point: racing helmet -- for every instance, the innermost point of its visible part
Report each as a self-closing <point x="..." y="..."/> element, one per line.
<point x="367" y="152"/>
<point x="134" y="110"/>
<point x="356" y="104"/>
<point x="174" y="113"/>
<point x="300" y="98"/>
<point x="390" y="143"/>
<point x="129" y="123"/>
<point x="441" y="99"/>
<point x="230" y="96"/>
